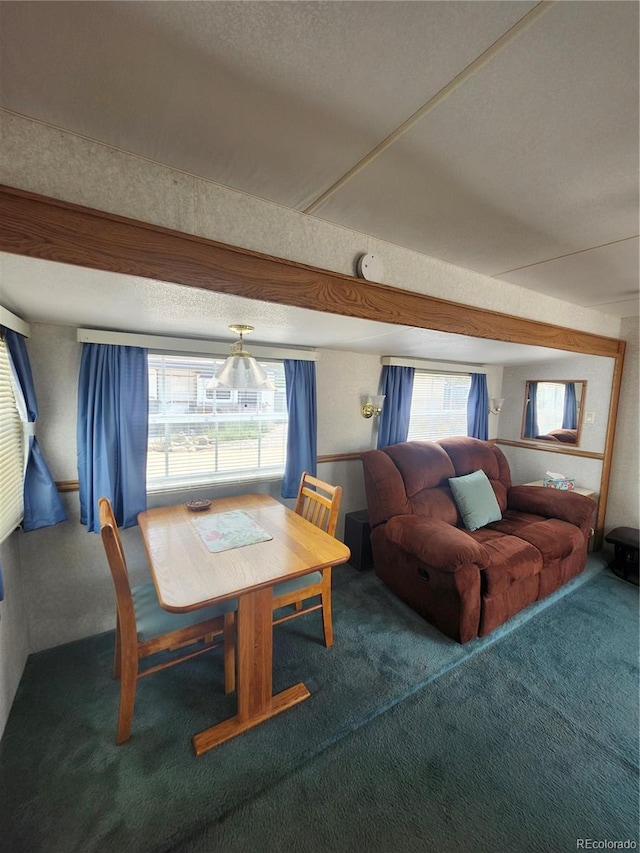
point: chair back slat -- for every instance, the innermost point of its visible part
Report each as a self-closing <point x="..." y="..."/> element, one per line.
<point x="319" y="502"/>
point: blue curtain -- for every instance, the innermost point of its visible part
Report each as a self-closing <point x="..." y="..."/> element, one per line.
<point x="570" y="413"/>
<point x="478" y="407"/>
<point x="42" y="504"/>
<point x="396" y="383"/>
<point x="302" y="437"/>
<point x="531" y="429"/>
<point x="113" y="426"/>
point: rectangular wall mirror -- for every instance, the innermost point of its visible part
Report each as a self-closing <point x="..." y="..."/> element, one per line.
<point x="553" y="410"/>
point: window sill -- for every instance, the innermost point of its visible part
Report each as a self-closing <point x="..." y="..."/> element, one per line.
<point x="208" y="485"/>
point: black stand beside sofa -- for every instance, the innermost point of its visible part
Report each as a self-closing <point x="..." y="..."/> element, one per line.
<point x="626" y="543"/>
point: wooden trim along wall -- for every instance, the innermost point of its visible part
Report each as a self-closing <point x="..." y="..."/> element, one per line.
<point x="50" y="229"/>
<point x="67" y="485"/>
<point x="356" y="456"/>
<point x="553" y="448"/>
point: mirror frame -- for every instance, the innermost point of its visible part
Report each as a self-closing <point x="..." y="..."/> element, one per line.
<point x="50" y="229"/>
<point x="581" y="410"/>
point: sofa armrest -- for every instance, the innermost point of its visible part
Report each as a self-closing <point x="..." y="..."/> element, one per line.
<point x="551" y="503"/>
<point x="438" y="544"/>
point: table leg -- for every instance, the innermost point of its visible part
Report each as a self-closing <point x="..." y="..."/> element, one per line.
<point x="256" y="702"/>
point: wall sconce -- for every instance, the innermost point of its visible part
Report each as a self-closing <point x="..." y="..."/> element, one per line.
<point x="496" y="404"/>
<point x="372" y="406"/>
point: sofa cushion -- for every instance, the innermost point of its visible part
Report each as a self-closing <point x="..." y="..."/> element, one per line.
<point x="470" y="454"/>
<point x="475" y="499"/>
<point x="384" y="487"/>
<point x="436" y="503"/>
<point x="513" y="521"/>
<point x="422" y="464"/>
<point x="553" y="538"/>
<point x="510" y="559"/>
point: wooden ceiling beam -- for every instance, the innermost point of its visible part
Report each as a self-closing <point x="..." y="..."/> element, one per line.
<point x="49" y="229"/>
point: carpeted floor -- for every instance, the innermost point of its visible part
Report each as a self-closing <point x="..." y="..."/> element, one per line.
<point x="526" y="740"/>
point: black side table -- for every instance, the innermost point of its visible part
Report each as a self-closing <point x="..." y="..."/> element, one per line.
<point x="357" y="535"/>
<point x="626" y="541"/>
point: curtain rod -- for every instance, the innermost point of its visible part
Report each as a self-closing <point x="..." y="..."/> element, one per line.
<point x="13" y="322"/>
<point x="434" y="366"/>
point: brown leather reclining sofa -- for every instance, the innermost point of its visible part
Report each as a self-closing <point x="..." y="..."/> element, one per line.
<point x="468" y="582"/>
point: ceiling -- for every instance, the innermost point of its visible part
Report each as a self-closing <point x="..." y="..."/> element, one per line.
<point x="498" y="136"/>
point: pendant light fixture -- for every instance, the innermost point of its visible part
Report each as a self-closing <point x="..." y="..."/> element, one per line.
<point x="241" y="370"/>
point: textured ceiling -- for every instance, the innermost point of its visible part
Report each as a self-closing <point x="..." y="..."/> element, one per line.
<point x="498" y="136"/>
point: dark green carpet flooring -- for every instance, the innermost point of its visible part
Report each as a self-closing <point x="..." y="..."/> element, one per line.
<point x="527" y="740"/>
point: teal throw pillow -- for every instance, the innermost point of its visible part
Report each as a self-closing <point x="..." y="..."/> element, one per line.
<point x="476" y="499"/>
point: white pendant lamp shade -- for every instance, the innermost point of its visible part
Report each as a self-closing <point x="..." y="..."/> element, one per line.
<point x="241" y="370"/>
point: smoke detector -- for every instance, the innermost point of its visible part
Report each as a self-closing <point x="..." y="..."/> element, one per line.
<point x="369" y="267"/>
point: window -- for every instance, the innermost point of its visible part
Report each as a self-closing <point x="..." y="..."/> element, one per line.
<point x="438" y="405"/>
<point x="11" y="451"/>
<point x="549" y="406"/>
<point x="201" y="435"/>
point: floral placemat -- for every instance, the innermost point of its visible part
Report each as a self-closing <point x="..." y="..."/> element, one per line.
<point x="225" y="530"/>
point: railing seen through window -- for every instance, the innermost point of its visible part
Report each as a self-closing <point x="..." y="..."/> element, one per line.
<point x="438" y="405"/>
<point x="199" y="435"/>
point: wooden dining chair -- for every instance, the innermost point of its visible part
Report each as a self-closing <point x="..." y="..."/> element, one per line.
<point x="319" y="503"/>
<point x="143" y="628"/>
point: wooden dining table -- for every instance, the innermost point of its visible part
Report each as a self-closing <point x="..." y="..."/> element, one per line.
<point x="188" y="575"/>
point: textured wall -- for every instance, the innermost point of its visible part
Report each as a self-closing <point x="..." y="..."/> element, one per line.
<point x="624" y="498"/>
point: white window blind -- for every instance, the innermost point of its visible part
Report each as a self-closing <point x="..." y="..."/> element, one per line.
<point x="11" y="451"/>
<point x="198" y="435"/>
<point x="438" y="405"/>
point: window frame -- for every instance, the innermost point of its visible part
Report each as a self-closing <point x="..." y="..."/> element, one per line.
<point x="188" y="478"/>
<point x="416" y="434"/>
